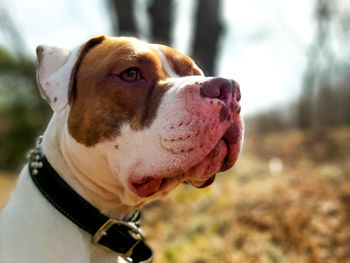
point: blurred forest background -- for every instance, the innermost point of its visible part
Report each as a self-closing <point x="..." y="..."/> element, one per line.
<point x="288" y="197"/>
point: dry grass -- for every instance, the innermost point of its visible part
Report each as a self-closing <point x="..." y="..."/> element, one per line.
<point x="287" y="200"/>
<point x="7" y="182"/>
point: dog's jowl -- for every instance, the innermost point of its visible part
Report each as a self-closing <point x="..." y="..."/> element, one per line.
<point x="131" y="121"/>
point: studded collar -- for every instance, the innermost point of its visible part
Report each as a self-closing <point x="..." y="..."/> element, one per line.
<point x="121" y="237"/>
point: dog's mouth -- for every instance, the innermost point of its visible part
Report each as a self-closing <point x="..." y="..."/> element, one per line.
<point x="145" y="187"/>
<point x="221" y="158"/>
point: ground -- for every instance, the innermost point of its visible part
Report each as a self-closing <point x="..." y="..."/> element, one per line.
<point x="286" y="200"/>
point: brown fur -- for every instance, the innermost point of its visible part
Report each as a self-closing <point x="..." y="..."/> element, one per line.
<point x="182" y="65"/>
<point x="101" y="102"/>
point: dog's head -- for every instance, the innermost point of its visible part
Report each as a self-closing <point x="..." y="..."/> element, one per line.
<point x="147" y="109"/>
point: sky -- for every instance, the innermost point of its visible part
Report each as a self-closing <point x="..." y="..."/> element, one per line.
<point x="264" y="48"/>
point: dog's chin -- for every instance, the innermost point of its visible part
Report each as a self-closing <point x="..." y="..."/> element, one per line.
<point x="221" y="158"/>
<point x="202" y="174"/>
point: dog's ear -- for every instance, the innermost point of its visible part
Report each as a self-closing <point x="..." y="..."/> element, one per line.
<point x="56" y="71"/>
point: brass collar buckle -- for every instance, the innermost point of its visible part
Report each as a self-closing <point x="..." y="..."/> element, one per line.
<point x="133" y="231"/>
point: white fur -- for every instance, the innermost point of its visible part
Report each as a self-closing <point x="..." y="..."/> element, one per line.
<point x="165" y="63"/>
<point x="53" y="74"/>
<point x="167" y="67"/>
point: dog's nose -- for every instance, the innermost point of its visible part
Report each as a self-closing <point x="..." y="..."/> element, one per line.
<point x="220" y="88"/>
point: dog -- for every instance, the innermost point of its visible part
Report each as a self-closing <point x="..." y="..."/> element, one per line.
<point x="131" y="121"/>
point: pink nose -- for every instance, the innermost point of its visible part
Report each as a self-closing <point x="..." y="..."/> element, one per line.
<point x="220" y="88"/>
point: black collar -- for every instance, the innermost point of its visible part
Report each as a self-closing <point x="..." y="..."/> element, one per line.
<point x="122" y="237"/>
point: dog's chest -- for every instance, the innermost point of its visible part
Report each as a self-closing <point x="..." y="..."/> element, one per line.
<point x="32" y="231"/>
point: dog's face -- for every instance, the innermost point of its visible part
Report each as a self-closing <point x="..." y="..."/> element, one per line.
<point x="147" y="109"/>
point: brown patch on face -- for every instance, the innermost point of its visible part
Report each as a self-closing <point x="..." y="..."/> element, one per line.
<point x="181" y="64"/>
<point x="224" y="113"/>
<point x="102" y="101"/>
<point x="86" y="47"/>
<point x="232" y="106"/>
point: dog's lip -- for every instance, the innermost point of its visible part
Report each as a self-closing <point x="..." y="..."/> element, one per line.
<point x="231" y="138"/>
<point x="202" y="184"/>
<point x="207" y="181"/>
<point x="146" y="186"/>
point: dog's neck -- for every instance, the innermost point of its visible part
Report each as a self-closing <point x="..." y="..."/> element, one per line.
<point x="86" y="170"/>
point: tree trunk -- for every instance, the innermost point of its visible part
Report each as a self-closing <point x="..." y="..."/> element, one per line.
<point x="207" y="35"/>
<point x="161" y="19"/>
<point x="123" y="15"/>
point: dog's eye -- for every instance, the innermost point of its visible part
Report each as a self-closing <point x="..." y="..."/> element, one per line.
<point x="131" y="74"/>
